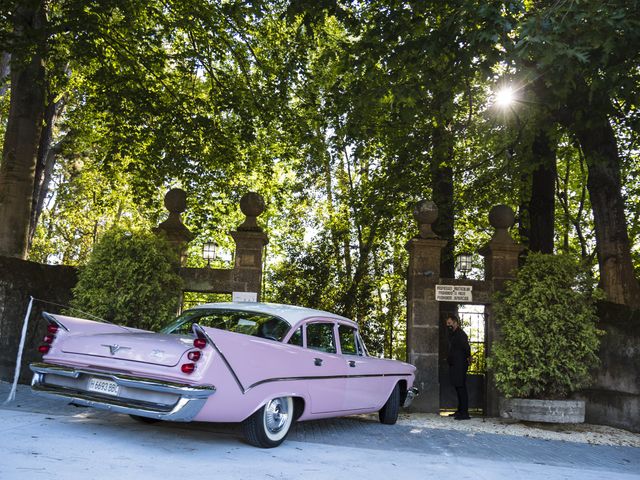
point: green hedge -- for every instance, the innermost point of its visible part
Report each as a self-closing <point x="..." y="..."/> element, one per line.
<point x="549" y="341"/>
<point x="130" y="280"/>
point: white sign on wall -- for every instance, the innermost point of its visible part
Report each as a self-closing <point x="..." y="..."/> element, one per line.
<point x="454" y="293"/>
<point x="244" y="296"/>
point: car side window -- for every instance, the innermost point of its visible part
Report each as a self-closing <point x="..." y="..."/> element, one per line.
<point x="296" y="338"/>
<point x="348" y="341"/>
<point x="320" y="337"/>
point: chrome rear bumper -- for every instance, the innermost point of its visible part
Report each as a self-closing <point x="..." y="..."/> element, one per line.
<point x="146" y="397"/>
<point x="411" y="394"/>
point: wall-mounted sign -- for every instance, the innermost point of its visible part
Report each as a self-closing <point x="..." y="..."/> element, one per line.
<point x="244" y="296"/>
<point x="454" y="293"/>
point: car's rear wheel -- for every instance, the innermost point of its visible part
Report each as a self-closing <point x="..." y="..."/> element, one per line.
<point x="269" y="426"/>
<point x="388" y="414"/>
<point x="140" y="419"/>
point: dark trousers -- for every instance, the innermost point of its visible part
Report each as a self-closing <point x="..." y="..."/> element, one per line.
<point x="463" y="399"/>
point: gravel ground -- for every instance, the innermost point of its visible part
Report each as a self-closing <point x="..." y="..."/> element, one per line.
<point x="579" y="433"/>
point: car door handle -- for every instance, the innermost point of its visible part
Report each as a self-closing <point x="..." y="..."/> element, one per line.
<point x="352" y="363"/>
<point x="317" y="362"/>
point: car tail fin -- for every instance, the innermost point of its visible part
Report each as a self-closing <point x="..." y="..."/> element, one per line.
<point x="203" y="336"/>
<point x="53" y="321"/>
<point x="202" y="339"/>
<point x="73" y="325"/>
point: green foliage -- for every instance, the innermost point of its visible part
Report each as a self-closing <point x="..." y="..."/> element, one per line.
<point x="86" y="204"/>
<point x="339" y="113"/>
<point x="130" y="279"/>
<point x="478" y="359"/>
<point x="549" y="339"/>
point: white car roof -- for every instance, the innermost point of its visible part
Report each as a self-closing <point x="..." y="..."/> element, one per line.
<point x="291" y="313"/>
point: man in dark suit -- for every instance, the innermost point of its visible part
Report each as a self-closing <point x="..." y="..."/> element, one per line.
<point x="459" y="359"/>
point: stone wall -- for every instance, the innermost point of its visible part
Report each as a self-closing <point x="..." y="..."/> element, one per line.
<point x="20" y="279"/>
<point x="614" y="397"/>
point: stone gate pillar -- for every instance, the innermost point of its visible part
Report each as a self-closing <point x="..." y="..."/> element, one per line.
<point x="246" y="274"/>
<point x="250" y="242"/>
<point x="501" y="256"/>
<point x="422" y="307"/>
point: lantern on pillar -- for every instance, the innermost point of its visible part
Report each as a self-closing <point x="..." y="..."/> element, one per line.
<point x="464" y="263"/>
<point x="210" y="252"/>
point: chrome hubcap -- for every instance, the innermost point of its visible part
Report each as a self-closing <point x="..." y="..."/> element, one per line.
<point x="276" y="415"/>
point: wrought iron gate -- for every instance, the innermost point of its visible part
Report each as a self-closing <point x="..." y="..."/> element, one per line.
<point x="473" y="320"/>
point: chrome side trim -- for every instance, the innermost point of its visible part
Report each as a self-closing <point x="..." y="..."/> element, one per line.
<point x="411" y="394"/>
<point x="326" y="377"/>
<point x="189" y="398"/>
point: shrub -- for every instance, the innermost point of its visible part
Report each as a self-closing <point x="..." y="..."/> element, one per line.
<point x="549" y="340"/>
<point x="130" y="279"/>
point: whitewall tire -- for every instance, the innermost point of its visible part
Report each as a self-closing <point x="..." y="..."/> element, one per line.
<point x="270" y="424"/>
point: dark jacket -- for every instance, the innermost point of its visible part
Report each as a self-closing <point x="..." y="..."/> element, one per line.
<point x="459" y="352"/>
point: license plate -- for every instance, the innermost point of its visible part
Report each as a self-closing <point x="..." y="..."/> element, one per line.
<point x="101" y="385"/>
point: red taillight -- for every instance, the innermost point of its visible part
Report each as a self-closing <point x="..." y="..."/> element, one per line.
<point x="48" y="339"/>
<point x="52" y="329"/>
<point x="188" y="367"/>
<point x="44" y="349"/>
<point x="199" y="343"/>
<point x="194" y="356"/>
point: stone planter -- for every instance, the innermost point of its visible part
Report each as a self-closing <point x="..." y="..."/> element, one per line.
<point x="550" y="411"/>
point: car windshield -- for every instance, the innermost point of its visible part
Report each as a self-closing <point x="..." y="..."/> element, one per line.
<point x="250" y="323"/>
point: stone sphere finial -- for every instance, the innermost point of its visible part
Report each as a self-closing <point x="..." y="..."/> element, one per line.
<point x="175" y="200"/>
<point x="251" y="204"/>
<point x="426" y="212"/>
<point x="501" y="217"/>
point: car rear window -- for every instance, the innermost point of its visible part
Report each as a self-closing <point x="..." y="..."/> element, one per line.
<point x="249" y="323"/>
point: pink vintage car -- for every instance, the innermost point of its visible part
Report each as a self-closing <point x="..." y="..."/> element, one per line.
<point x="264" y="365"/>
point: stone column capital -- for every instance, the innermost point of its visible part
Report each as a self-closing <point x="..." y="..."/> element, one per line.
<point x="493" y="247"/>
<point x="249" y="239"/>
<point x="419" y="243"/>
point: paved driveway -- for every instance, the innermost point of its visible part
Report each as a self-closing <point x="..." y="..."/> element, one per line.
<point x="50" y="439"/>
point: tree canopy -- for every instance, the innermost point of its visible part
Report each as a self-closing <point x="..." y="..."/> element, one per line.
<point x="342" y="115"/>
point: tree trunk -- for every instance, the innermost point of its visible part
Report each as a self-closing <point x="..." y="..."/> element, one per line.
<point x="345" y="185"/>
<point x="442" y="186"/>
<point x="5" y="71"/>
<point x="524" y="223"/>
<point x="536" y="222"/>
<point x="351" y="297"/>
<point x="543" y="189"/>
<point x="590" y="123"/>
<point x="22" y="135"/>
<point x="47" y="153"/>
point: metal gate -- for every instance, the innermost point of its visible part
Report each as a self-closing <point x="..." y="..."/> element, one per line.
<point x="473" y="320"/>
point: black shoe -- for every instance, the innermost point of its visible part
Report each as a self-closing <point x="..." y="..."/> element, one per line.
<point x="454" y="414"/>
<point x="463" y="417"/>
